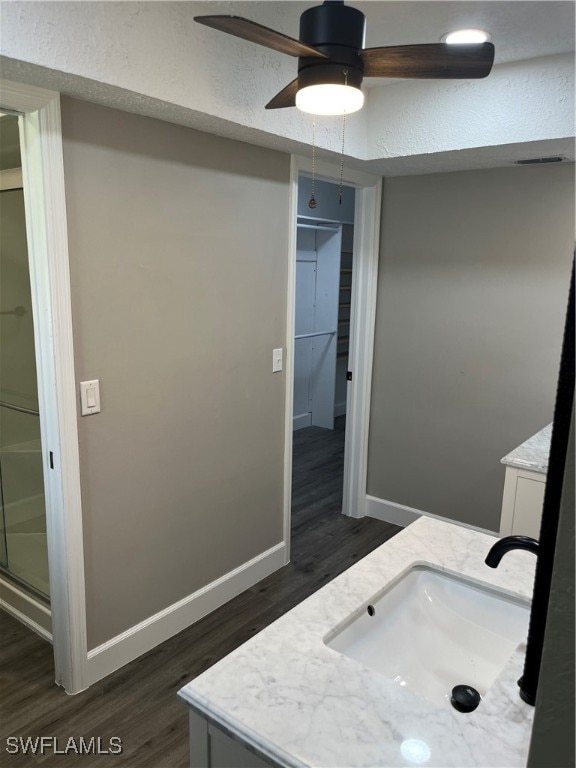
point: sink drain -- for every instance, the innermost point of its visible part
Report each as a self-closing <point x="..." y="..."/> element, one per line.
<point x="465" y="698"/>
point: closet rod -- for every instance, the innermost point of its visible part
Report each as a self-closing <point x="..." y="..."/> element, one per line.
<point x="310" y="335"/>
<point x="322" y="227"/>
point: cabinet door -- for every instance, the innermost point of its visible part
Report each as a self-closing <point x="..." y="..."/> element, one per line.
<point x="528" y="507"/>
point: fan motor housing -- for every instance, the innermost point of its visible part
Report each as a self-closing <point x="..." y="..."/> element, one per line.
<point x="338" y="31"/>
<point x="333" y="24"/>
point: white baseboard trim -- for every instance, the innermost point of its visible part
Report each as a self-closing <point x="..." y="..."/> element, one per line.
<point x="299" y="422"/>
<point x="139" y="639"/>
<point x="340" y="409"/>
<point x="398" y="514"/>
<point x="390" y="512"/>
<point x="25" y="609"/>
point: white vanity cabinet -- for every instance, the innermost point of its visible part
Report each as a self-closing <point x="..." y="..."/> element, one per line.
<point x="522" y="503"/>
<point x="524" y="486"/>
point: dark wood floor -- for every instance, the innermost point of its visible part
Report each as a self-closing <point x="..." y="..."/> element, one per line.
<point x="138" y="703"/>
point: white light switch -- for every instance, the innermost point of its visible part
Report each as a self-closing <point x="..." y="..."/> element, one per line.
<point x="276" y="360"/>
<point x="90" y="397"/>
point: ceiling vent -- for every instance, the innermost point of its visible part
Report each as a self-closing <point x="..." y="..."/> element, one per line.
<point x="540" y="160"/>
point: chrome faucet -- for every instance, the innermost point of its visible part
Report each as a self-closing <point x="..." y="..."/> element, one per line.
<point x="529" y="679"/>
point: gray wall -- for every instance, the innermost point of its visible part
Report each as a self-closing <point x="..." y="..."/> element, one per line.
<point x="472" y="292"/>
<point x="553" y="732"/>
<point x="178" y="269"/>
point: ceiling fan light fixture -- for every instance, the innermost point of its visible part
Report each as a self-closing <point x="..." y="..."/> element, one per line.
<point x="466" y="37"/>
<point x="332" y="57"/>
<point x="329" y="99"/>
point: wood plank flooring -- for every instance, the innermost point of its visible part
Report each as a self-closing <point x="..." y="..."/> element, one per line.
<point x="139" y="703"/>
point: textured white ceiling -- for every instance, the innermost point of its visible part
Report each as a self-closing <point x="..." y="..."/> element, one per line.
<point x="151" y="58"/>
<point x="519" y="29"/>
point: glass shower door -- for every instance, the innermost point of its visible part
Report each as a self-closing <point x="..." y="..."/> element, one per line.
<point x="25" y="552"/>
<point x="23" y="543"/>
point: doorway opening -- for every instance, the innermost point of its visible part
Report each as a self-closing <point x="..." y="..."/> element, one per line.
<point x="24" y="580"/>
<point x="322" y="317"/>
<point x="333" y="271"/>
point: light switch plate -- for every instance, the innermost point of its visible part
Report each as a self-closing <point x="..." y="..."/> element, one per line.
<point x="276" y="360"/>
<point x="90" y="397"/>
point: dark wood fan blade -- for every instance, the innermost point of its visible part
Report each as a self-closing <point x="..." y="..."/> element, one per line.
<point x="286" y="97"/>
<point x="432" y="60"/>
<point x="256" y="33"/>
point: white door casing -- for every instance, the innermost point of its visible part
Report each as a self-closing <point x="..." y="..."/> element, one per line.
<point x="47" y="235"/>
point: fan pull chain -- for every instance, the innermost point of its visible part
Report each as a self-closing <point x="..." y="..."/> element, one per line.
<point x="342" y="159"/>
<point x="312" y="202"/>
<point x="342" y="150"/>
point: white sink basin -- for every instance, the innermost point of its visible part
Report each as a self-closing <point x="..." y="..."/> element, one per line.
<point x="431" y="631"/>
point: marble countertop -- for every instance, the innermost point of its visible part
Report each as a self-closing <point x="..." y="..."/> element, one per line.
<point x="533" y="453"/>
<point x="295" y="702"/>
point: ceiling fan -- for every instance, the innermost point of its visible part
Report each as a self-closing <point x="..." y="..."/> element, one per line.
<point x="332" y="60"/>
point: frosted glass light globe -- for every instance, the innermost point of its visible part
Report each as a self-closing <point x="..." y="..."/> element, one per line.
<point x="329" y="99"/>
<point x="466" y="37"/>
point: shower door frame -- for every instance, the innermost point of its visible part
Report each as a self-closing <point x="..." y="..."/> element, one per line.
<point x="47" y="237"/>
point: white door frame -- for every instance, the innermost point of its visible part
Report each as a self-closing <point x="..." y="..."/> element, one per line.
<point x="47" y="235"/>
<point x="362" y="322"/>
